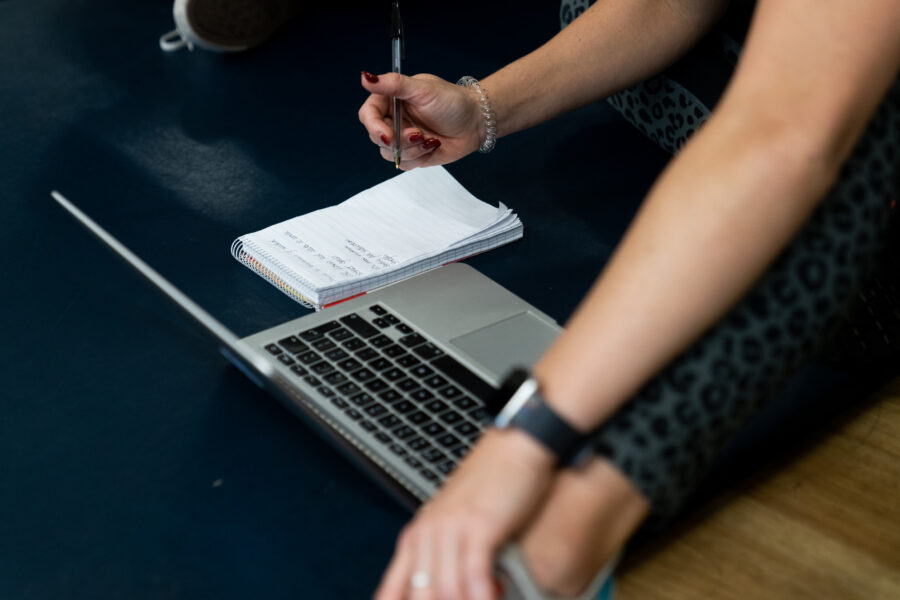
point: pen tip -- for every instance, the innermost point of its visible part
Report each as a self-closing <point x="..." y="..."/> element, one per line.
<point x="396" y="162"/>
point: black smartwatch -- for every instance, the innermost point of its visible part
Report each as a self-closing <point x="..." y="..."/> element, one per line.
<point x="524" y="408"/>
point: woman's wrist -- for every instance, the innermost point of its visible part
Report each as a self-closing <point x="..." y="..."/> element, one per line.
<point x="486" y="123"/>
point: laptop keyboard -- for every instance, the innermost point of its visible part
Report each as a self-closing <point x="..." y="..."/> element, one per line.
<point x="398" y="387"/>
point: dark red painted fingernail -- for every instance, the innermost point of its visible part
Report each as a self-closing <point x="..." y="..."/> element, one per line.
<point x="370" y="77"/>
<point x="385" y="140"/>
<point x="416" y="138"/>
<point x="431" y="143"/>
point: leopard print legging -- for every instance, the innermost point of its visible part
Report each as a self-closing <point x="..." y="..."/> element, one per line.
<point x="666" y="437"/>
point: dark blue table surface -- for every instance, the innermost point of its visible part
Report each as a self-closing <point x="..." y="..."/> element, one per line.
<point x="134" y="461"/>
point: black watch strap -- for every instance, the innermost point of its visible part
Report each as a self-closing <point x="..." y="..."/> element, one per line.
<point x="527" y="410"/>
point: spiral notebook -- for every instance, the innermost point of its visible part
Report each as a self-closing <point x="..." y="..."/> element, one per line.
<point x="402" y="227"/>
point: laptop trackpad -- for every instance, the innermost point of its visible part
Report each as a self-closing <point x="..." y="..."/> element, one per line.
<point x="518" y="340"/>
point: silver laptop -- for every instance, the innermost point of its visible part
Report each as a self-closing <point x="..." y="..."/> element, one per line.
<point x="401" y="379"/>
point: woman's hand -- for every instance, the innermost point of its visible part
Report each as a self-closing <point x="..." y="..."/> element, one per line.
<point x="447" y="552"/>
<point x="586" y="518"/>
<point x="442" y="122"/>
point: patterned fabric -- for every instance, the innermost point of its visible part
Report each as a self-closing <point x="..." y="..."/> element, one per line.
<point x="667" y="436"/>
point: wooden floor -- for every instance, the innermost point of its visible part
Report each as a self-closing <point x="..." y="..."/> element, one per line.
<point x="823" y="524"/>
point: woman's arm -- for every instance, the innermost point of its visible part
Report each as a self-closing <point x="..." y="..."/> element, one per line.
<point x="611" y="46"/>
<point x="811" y="75"/>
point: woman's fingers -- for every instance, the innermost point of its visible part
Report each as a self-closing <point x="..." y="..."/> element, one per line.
<point x="373" y="114"/>
<point x="396" y="581"/>
<point x="448" y="576"/>
<point x="410" y="89"/>
<point x="476" y="568"/>
<point x="414" y="155"/>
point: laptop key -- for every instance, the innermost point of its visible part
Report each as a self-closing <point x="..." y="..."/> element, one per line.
<point x="451" y="417"/>
<point x="445" y="466"/>
<point x="418" y="444"/>
<point x="418" y="417"/>
<point x="391" y="319"/>
<point x="349" y="388"/>
<point x="436" y="406"/>
<point x="326" y="391"/>
<point x="320" y="368"/>
<point x="466" y="428"/>
<point x="433" y="429"/>
<point x="393" y="351"/>
<point x="429" y="475"/>
<point x="380" y="323"/>
<point x="367" y="354"/>
<point x="465" y="403"/>
<point x="349" y="364"/>
<point x="448" y="440"/>
<point x="407" y="384"/>
<point x="362" y="375"/>
<point x="393" y="374"/>
<point x="336" y="354"/>
<point x="293" y="345"/>
<point x="397" y="449"/>
<point x="390" y="396"/>
<point x="376" y="385"/>
<point x="309" y="357"/>
<point x="316" y="332"/>
<point x="353" y="413"/>
<point x="390" y="421"/>
<point x="408" y="361"/>
<point x="383" y="437"/>
<point x="428" y="351"/>
<point x="339" y="335"/>
<point x="273" y="349"/>
<point x="413" y="462"/>
<point x="360" y="326"/>
<point x="404" y="328"/>
<point x="413" y="339"/>
<point x="404" y="407"/>
<point x="339" y="402"/>
<point x="435" y="381"/>
<point x="323" y="344"/>
<point x="450" y="392"/>
<point x="422" y="371"/>
<point x="361" y="399"/>
<point x="368" y="425"/>
<point x="460" y="451"/>
<point x="285" y="359"/>
<point x="433" y="455"/>
<point x="312" y="380"/>
<point x="375" y="410"/>
<point x="381" y="341"/>
<point x="377" y="309"/>
<point x="354" y="344"/>
<point x="380" y="364"/>
<point x="404" y="432"/>
<point x="480" y="414"/>
<point x="299" y="370"/>
<point x="421" y="395"/>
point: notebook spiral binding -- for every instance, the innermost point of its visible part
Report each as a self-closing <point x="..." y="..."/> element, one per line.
<point x="247" y="259"/>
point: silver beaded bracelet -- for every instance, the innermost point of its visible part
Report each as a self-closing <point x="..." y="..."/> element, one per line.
<point x="490" y="122"/>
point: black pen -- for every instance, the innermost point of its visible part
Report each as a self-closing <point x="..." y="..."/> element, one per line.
<point x="397" y="54"/>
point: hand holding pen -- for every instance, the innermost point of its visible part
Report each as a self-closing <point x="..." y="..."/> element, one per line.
<point x="440" y="122"/>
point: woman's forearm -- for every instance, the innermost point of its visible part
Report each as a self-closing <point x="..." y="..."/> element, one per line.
<point x="729" y="202"/>
<point x="610" y="47"/>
